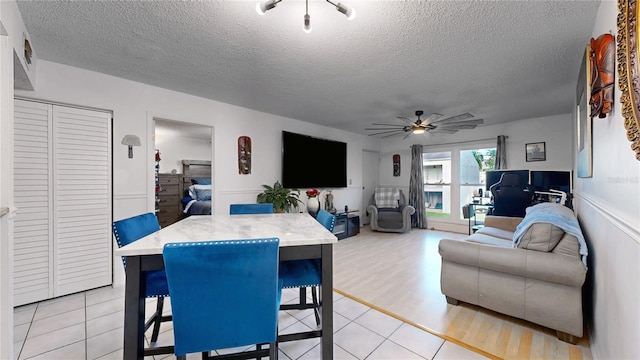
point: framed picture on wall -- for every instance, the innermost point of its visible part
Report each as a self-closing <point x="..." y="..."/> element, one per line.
<point x="536" y="151"/>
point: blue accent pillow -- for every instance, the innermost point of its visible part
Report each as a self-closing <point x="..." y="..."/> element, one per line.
<point x="203" y="194"/>
<point x="202" y="181"/>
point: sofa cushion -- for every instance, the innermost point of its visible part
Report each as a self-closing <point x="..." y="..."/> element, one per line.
<point x="495" y="232"/>
<point x="541" y="237"/>
<point x="569" y="246"/>
<point x="489" y="240"/>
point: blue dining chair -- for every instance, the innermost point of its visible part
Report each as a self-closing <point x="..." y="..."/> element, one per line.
<point x="213" y="286"/>
<point x="127" y="231"/>
<point x="239" y="209"/>
<point x="306" y="273"/>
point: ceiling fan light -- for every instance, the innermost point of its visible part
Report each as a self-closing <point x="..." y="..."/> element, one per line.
<point x="418" y="130"/>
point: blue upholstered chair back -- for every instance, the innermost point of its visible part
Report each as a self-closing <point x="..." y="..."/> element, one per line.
<point x="239" y="209"/>
<point x="134" y="228"/>
<point x="213" y="288"/>
<point x="327" y="219"/>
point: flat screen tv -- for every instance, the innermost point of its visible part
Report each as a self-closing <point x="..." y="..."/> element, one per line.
<point x="495" y="175"/>
<point x="309" y="162"/>
<point x="546" y="180"/>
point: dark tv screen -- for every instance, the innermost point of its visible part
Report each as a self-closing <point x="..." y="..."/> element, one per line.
<point x="546" y="180"/>
<point x="495" y="175"/>
<point x="309" y="162"/>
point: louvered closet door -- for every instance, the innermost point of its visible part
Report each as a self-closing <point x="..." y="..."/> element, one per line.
<point x="62" y="189"/>
<point x="33" y="250"/>
<point x="82" y="199"/>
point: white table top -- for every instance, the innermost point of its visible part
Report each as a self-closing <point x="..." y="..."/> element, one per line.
<point x="293" y="229"/>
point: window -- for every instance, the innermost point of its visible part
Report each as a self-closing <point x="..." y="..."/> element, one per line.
<point x="473" y="166"/>
<point x="436" y="168"/>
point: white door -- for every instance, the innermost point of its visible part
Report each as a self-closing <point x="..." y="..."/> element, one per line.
<point x="370" y="176"/>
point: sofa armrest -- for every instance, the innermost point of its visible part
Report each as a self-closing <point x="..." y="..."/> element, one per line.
<point x="530" y="264"/>
<point x="408" y="210"/>
<point x="502" y="222"/>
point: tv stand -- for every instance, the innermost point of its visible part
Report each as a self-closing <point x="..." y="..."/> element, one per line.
<point x="347" y="224"/>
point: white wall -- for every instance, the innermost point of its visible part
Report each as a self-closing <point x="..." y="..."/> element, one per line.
<point x="174" y="149"/>
<point x="608" y="207"/>
<point x="555" y="131"/>
<point x="134" y="106"/>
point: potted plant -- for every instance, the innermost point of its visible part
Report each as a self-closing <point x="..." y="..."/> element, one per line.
<point x="281" y="198"/>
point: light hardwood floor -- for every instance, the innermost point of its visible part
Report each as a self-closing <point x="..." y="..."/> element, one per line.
<point x="400" y="274"/>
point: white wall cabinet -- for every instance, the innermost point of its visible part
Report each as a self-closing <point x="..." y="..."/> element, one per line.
<point x="63" y="192"/>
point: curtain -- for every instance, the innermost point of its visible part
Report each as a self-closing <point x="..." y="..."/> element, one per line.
<point x="501" y="153"/>
<point x="416" y="189"/>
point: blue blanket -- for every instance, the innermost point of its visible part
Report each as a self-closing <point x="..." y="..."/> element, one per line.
<point x="557" y="215"/>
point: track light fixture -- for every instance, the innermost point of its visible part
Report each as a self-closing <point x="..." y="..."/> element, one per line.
<point x="267" y="5"/>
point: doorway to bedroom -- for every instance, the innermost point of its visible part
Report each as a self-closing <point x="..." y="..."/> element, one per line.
<point x="183" y="157"/>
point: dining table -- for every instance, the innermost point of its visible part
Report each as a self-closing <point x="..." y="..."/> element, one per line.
<point x="300" y="235"/>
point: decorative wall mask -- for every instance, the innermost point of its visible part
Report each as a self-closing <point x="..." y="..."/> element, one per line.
<point x="628" y="74"/>
<point x="244" y="155"/>
<point x="396" y="165"/>
<point x="603" y="63"/>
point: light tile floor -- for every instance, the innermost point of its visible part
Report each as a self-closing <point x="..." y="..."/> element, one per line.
<point x="89" y="325"/>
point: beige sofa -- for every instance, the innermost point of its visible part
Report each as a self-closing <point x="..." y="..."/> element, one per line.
<point x="540" y="281"/>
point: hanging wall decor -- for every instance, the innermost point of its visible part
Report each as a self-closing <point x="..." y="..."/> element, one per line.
<point x="602" y="62"/>
<point x="244" y="155"/>
<point x="628" y="74"/>
<point x="396" y="165"/>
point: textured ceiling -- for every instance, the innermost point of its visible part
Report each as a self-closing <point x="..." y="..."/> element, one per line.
<point x="499" y="60"/>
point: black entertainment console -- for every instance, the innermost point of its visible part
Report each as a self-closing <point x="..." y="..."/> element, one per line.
<point x="347" y="224"/>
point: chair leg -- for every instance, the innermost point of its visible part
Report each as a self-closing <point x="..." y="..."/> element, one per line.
<point x="303" y="296"/>
<point x="316" y="305"/>
<point x="157" y="319"/>
<point x="273" y="351"/>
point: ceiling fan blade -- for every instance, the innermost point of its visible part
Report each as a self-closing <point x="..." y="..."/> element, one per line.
<point x="443" y="131"/>
<point x="378" y="124"/>
<point x="460" y="117"/>
<point x="406" y="136"/>
<point x="387" y="132"/>
<point x="431" y="118"/>
<point x="464" y="122"/>
<point x="394" y="134"/>
<point x="384" y="128"/>
<point x="405" y="120"/>
<point x="457" y="127"/>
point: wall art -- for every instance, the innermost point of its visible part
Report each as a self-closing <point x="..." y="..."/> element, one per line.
<point x="628" y="74"/>
<point x="244" y="155"/>
<point x="602" y="62"/>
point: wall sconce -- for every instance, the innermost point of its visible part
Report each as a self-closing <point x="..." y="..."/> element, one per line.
<point x="131" y="141"/>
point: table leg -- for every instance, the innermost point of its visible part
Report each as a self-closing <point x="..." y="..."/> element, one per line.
<point x="326" y="299"/>
<point x="134" y="303"/>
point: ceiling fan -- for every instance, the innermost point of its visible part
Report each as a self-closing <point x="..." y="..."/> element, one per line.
<point x="433" y="124"/>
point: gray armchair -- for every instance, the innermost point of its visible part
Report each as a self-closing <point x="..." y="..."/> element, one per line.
<point x="390" y="219"/>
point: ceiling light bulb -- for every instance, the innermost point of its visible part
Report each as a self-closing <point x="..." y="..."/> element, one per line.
<point x="418" y="130"/>
<point x="349" y="12"/>
<point x="265" y="6"/>
<point x="307" y="24"/>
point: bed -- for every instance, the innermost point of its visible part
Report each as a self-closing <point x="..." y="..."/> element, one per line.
<point x="196" y="187"/>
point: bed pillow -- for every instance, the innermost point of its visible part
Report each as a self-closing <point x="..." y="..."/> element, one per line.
<point x="192" y="190"/>
<point x="201" y="181"/>
<point x="203" y="194"/>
